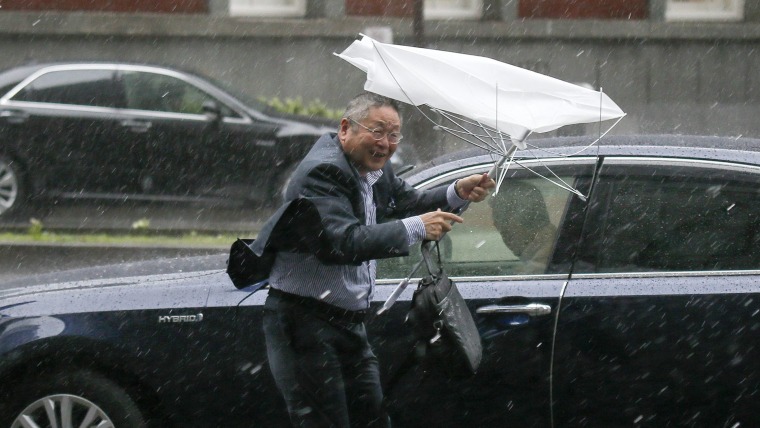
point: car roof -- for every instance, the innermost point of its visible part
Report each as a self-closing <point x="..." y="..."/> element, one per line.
<point x="733" y="149"/>
<point x="29" y="68"/>
<point x="12" y="76"/>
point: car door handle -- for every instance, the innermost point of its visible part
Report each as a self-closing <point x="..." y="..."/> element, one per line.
<point x="14" y="116"/>
<point x="138" y="126"/>
<point x="532" y="309"/>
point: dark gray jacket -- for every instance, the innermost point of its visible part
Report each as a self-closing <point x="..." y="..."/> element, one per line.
<point x="324" y="214"/>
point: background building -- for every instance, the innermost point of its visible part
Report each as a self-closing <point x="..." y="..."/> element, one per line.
<point x="675" y="66"/>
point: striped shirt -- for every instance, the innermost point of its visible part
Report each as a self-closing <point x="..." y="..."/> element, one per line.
<point x="345" y="286"/>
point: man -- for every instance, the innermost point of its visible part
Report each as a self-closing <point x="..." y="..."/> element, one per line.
<point x="323" y="243"/>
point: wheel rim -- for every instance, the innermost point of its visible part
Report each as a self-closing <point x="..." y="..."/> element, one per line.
<point x="63" y="411"/>
<point x="8" y="186"/>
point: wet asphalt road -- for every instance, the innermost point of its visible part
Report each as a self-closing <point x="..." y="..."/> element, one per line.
<point x="18" y="261"/>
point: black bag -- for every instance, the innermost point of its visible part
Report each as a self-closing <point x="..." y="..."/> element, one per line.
<point x="447" y="337"/>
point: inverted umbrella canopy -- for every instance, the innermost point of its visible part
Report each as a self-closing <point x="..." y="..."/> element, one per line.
<point x="508" y="99"/>
<point x="503" y="101"/>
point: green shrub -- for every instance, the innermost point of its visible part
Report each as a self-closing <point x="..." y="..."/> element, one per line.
<point x="297" y="106"/>
<point x="35" y="229"/>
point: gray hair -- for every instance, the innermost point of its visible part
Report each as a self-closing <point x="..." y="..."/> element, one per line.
<point x="358" y="107"/>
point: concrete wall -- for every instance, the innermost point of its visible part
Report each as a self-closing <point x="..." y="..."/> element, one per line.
<point x="695" y="78"/>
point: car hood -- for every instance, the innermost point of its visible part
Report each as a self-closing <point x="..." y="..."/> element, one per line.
<point x="292" y="125"/>
<point x="157" y="284"/>
<point x="102" y="295"/>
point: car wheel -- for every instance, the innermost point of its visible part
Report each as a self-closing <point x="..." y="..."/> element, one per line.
<point x="81" y="398"/>
<point x="11" y="185"/>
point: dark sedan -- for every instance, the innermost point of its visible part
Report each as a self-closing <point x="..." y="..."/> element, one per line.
<point x="143" y="133"/>
<point x="633" y="302"/>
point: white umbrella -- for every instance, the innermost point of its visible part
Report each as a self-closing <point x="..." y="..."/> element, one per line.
<point x="506" y="103"/>
<point x="504" y="100"/>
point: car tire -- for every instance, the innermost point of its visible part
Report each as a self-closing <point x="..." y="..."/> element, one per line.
<point x="12" y="190"/>
<point x="75" y="394"/>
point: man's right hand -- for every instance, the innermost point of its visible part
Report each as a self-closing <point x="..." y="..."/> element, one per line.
<point x="437" y="223"/>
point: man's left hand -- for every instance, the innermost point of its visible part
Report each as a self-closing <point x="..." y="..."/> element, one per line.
<point x="475" y="187"/>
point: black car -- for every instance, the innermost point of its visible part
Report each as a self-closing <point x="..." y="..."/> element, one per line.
<point x="635" y="302"/>
<point x="142" y="133"/>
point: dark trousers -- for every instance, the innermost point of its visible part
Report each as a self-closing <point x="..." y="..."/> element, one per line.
<point x="323" y="367"/>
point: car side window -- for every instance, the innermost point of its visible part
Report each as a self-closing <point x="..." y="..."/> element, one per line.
<point x="511" y="233"/>
<point x="158" y="92"/>
<point x="674" y="218"/>
<point x="94" y="88"/>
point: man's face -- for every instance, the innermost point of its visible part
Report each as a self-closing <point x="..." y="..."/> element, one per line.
<point x="366" y="153"/>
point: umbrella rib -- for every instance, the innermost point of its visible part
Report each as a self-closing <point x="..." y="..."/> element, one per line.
<point x="482" y="138"/>
<point x="561" y="185"/>
<point x="485" y="144"/>
<point x="456" y="134"/>
<point x="584" y="148"/>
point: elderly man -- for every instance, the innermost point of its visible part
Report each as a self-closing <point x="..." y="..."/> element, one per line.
<point x="345" y="208"/>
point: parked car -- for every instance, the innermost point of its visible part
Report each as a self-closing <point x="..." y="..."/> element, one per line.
<point x="139" y="132"/>
<point x="637" y="304"/>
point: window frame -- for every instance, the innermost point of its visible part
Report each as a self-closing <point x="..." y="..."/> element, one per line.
<point x="72" y="92"/>
<point x="249" y="8"/>
<point x="474" y="10"/>
<point x="566" y="238"/>
<point x="704" y="10"/>
<point x="590" y="242"/>
<point x="235" y="115"/>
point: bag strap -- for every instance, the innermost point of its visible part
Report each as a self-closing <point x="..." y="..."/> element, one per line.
<point x="426" y="257"/>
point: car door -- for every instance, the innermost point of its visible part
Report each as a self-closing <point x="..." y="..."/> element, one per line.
<point x="186" y="151"/>
<point x="65" y="124"/>
<point x="510" y="261"/>
<point x="659" y="325"/>
<point x="166" y="120"/>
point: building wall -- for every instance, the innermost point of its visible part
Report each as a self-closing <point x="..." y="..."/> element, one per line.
<point x="692" y="78"/>
<point x="150" y="6"/>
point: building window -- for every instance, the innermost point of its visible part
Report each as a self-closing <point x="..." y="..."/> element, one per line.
<point x="460" y="9"/>
<point x="704" y="10"/>
<point x="583" y="9"/>
<point x="281" y="8"/>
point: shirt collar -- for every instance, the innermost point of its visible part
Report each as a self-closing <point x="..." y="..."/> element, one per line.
<point x="373" y="176"/>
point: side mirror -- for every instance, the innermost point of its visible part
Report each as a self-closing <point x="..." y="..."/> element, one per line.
<point x="211" y="110"/>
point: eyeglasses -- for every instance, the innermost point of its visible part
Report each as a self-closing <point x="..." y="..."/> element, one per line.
<point x="378" y="133"/>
